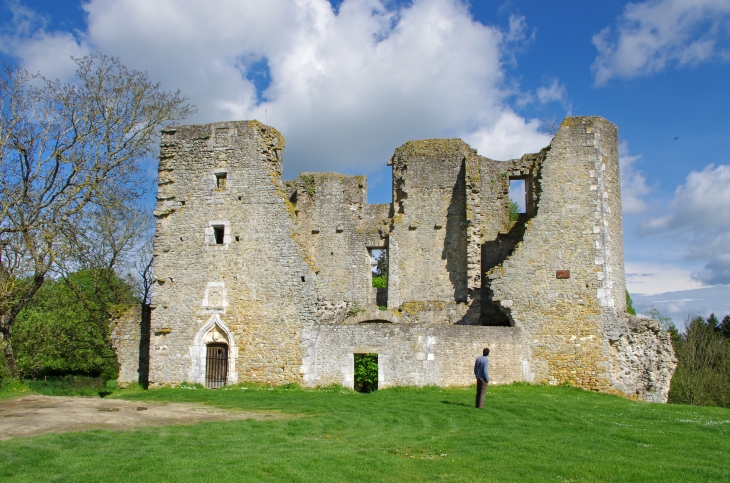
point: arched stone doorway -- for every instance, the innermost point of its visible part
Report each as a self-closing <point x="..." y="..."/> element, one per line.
<point x="214" y="355"/>
<point x="216" y="365"/>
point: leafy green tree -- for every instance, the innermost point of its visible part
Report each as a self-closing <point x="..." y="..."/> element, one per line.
<point x="713" y="323"/>
<point x="380" y="281"/>
<point x="366" y="372"/>
<point x="725" y="327"/>
<point x="702" y="376"/>
<point x="514" y="210"/>
<point x="5" y="376"/>
<point x="64" y="330"/>
<point x="380" y="270"/>
<point x="630" y="304"/>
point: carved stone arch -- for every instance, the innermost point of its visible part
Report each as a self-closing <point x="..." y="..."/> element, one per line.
<point x="213" y="331"/>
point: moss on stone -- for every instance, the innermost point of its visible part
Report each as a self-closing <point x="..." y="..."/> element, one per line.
<point x="309" y="183"/>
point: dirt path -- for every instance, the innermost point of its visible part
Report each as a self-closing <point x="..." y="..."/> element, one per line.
<point x="33" y="415"/>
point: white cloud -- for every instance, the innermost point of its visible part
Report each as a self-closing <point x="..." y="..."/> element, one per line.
<point x="633" y="182"/>
<point x="680" y="304"/>
<point x="651" y="35"/>
<point x="701" y="204"/>
<point x="346" y="88"/>
<point x="554" y="92"/>
<point x="700" y="214"/>
<point x="508" y="138"/>
<point x="25" y="37"/>
<point x="648" y="278"/>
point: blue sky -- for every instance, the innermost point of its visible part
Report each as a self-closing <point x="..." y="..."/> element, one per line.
<point x="348" y="81"/>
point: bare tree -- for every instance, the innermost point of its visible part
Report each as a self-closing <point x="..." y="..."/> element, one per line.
<point x="550" y="124"/>
<point x="665" y="321"/>
<point x="66" y="150"/>
<point x="107" y="240"/>
<point x="146" y="272"/>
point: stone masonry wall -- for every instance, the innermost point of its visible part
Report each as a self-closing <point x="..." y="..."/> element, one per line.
<point x="280" y="272"/>
<point x="492" y="236"/>
<point x="573" y="230"/>
<point x="337" y="228"/>
<point x="428" y="265"/>
<point x="129" y="333"/>
<point x="412" y="355"/>
<point x="254" y="291"/>
<point x="642" y="358"/>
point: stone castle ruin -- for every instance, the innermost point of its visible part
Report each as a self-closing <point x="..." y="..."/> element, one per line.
<point x="259" y="279"/>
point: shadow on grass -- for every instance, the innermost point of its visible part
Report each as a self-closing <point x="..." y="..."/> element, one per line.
<point x="457" y="404"/>
<point x="72" y="386"/>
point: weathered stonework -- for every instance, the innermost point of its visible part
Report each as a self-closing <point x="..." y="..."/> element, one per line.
<point x="129" y="331"/>
<point x="279" y="273"/>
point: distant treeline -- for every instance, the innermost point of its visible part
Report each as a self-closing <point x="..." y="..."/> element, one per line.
<point x="703" y="362"/>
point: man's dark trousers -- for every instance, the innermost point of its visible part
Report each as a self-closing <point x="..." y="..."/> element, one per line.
<point x="481" y="391"/>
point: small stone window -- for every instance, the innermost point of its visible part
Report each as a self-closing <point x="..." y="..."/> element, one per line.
<point x="518" y="194"/>
<point x="517" y="197"/>
<point x="220" y="180"/>
<point x="379" y="267"/>
<point x="218" y="234"/>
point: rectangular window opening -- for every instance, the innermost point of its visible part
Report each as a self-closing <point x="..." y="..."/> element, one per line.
<point x="218" y="234"/>
<point x="517" y="198"/>
<point x="379" y="267"/>
<point x="366" y="372"/>
<point x="220" y="180"/>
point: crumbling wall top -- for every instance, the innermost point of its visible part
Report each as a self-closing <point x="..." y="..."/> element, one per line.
<point x="432" y="149"/>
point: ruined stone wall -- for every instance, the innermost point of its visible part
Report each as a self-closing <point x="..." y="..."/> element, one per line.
<point x="487" y="195"/>
<point x="129" y="334"/>
<point x="255" y="291"/>
<point x="278" y="270"/>
<point x="491" y="235"/>
<point x="337" y="227"/>
<point x="563" y="314"/>
<point x="428" y="252"/>
<point x="411" y="355"/>
<point x="642" y="358"/>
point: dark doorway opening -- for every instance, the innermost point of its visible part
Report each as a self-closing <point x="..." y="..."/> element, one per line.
<point x="144" y="346"/>
<point x="218" y="233"/>
<point x="216" y="366"/>
<point x="366" y="372"/>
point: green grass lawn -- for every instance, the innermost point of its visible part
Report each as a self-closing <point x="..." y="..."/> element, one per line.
<point x="524" y="433"/>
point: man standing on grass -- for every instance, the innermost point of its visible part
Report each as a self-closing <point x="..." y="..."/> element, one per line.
<point x="481" y="370"/>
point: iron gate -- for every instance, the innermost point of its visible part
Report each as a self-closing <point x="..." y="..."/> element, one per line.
<point x="216" y="366"/>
